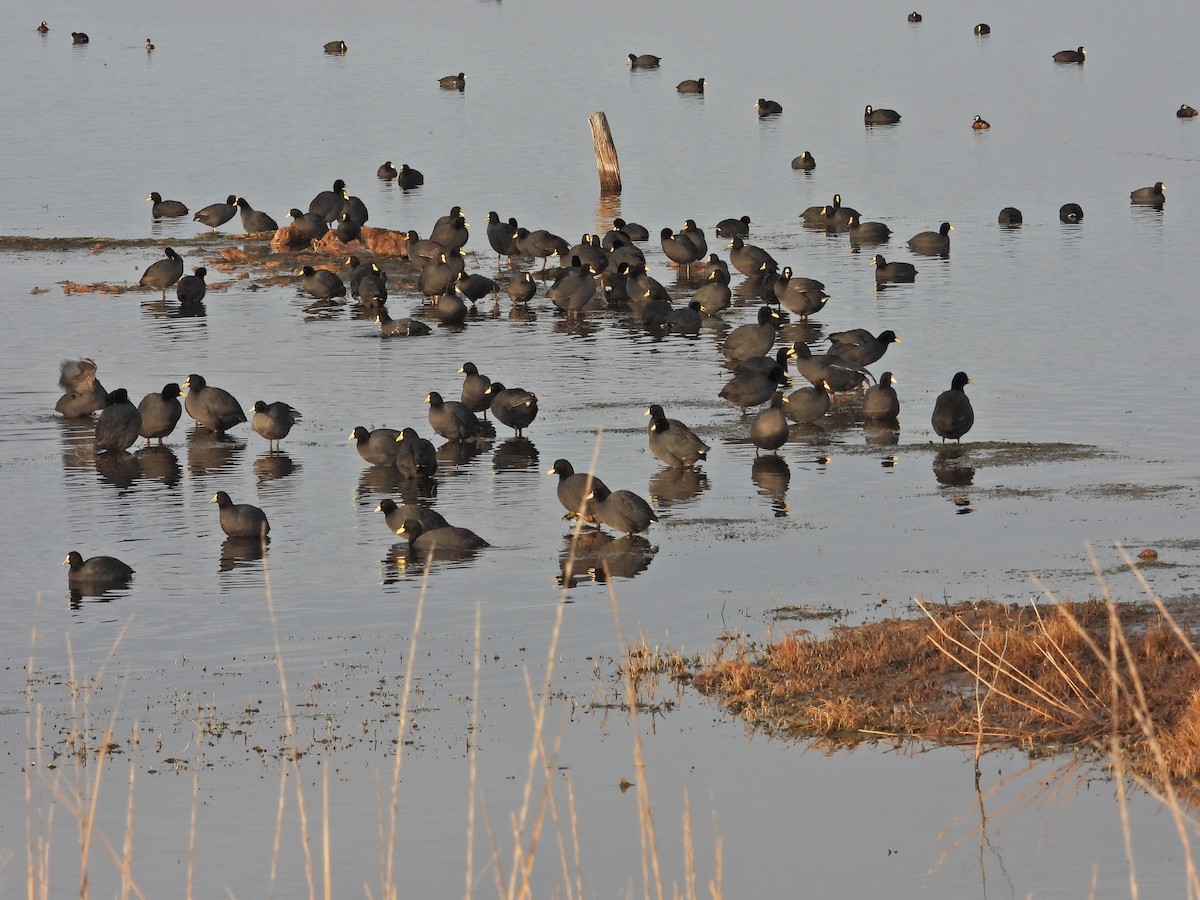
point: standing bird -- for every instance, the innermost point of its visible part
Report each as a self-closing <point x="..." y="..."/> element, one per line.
<point x="191" y="288"/>
<point x="714" y="295"/>
<point x="451" y="419"/>
<point x="770" y="429"/>
<point x="514" y="407"/>
<point x="415" y="456"/>
<point x="119" y="423"/>
<point x="327" y="205"/>
<point x="254" y="221"/>
<point x="273" y="421"/>
<point x="83" y="393"/>
<point x="880" y="403"/>
<point x="321" y="283"/>
<point x="213" y="407"/>
<point x="574" y="490"/>
<point x="679" y="249"/>
<point x="859" y="346"/>
<point x="622" y="511"/>
<point x="501" y="236"/>
<point x="751" y="261"/>
<point x="377" y="447"/>
<point x="806" y="405"/>
<point x="952" y="412"/>
<point x="671" y="441"/>
<point x="240" y="520"/>
<point x="165" y="209"/>
<point x="748" y="341"/>
<point x="160" y="412"/>
<point x="521" y="287"/>
<point x="306" y="227"/>
<point x="217" y="214"/>
<point x="164" y="272"/>
<point x="752" y="388"/>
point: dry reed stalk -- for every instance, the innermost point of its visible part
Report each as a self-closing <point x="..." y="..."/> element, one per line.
<point x="127" y="849"/>
<point x="689" y="849"/>
<point x="277" y="837"/>
<point x="472" y="752"/>
<point x="191" y="849"/>
<point x="326" y="858"/>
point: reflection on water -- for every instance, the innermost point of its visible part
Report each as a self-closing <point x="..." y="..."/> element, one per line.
<point x="209" y="453"/>
<point x="275" y="464"/>
<point x="676" y="485"/>
<point x="952" y="466"/>
<point x="515" y="453"/>
<point x="118" y="469"/>
<point x="242" y="552"/>
<point x="771" y="477"/>
<point x="158" y="462"/>
<point x="601" y="557"/>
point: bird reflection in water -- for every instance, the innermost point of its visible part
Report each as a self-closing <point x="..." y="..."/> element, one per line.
<point x="209" y="453"/>
<point x="388" y="481"/>
<point x="599" y="557"/>
<point x="881" y="434"/>
<point x="118" y="469"/>
<point x="771" y="476"/>
<point x="159" y="463"/>
<point x="952" y="468"/>
<point x="241" y="552"/>
<point x="453" y="456"/>
<point x="402" y="561"/>
<point x="515" y="453"/>
<point x="80" y="594"/>
<point x="273" y="465"/>
<point x="677" y="485"/>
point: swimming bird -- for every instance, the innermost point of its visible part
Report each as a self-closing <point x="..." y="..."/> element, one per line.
<point x="873" y="116"/>
<point x="840" y="374"/>
<point x="915" y="16"/>
<point x="767" y="108"/>
<point x="622" y="511"/>
<point x="217" y="214"/>
<point x="119" y="423"/>
<point x="880" y="403"/>
<point x="1151" y="196"/>
<point x="804" y="162"/>
<point x="149" y="45"/>
<point x="1010" y="216"/>
<point x="273" y="420"/>
<point x="335" y="47"/>
<point x="396" y="516"/>
<point x="450" y="308"/>
<point x="327" y="206"/>
<point x="164" y="272"/>
<point x="1070" y="56"/>
<point x="43" y="28"/>
<point x="321" y="283"/>
<point x="377" y="447"/>
<point x="79" y="37"/>
<point x="254" y="221"/>
<point x="770" y="429"/>
<point x="165" y="209"/>
<point x="451" y="419"/>
<point x="859" y="346"/>
<point x="240" y="520"/>
<point x="574" y="490"/>
<point x="692" y="86"/>
<point x="415" y="456"/>
<point x="408" y="177"/>
<point x="453" y="82"/>
<point x="96" y="572"/>
<point x="372" y="286"/>
<point x="213" y="407"/>
<point x="751" y="340"/>
<point x="866" y="232"/>
<point x="1070" y="212"/>
<point x="932" y="243"/>
<point x="160" y="412"/>
<point x="191" y="288"/>
<point x="644" y="61"/>
<point x="732" y="228"/>
<point x="953" y="415"/>
<point x="892" y="271"/>
<point x="450" y="540"/>
<point x="514" y="407"/>
<point x="1185" y="112"/>
<point x="84" y="393"/>
<point x="980" y="125"/>
<point x="671" y="441"/>
<point x="983" y="29"/>
<point x="387" y="171"/>
<point x="474" y="286"/>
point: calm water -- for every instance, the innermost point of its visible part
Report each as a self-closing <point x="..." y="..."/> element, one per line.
<point x="1073" y="335"/>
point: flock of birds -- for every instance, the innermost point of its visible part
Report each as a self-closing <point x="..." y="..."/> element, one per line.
<point x="607" y="270"/>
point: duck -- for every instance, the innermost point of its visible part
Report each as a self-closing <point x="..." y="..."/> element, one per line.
<point x="873" y="116"/>
<point x="932" y="243"/>
<point x="273" y="421"/>
<point x="880" y="403"/>
<point x="83" y="392"/>
<point x="451" y="419"/>
<point x="892" y="271"/>
<point x="514" y="407"/>
<point x="43" y="28"/>
<point x="149" y="45"/>
<point x="980" y="124"/>
<point x="1185" y="112"/>
<point x="770" y="429"/>
<point x="165" y="209"/>
<point x="1152" y="195"/>
<point x="217" y="214"/>
<point x="240" y="520"/>
<point x="212" y="407"/>
<point x="160" y="412"/>
<point x="575" y="489"/>
<point x="377" y="447"/>
<point x="953" y="414"/>
<point x="119" y="424"/>
<point x="96" y="571"/>
<point x="671" y="441"/>
<point x="1070" y="56"/>
<point x="163" y="273"/>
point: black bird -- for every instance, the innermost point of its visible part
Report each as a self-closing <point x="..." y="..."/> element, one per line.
<point x="932" y="243"/>
<point x="622" y="511"/>
<point x="770" y="429"/>
<point x="644" y="61"/>
<point x="96" y="572"/>
<point x="1070" y="56"/>
<point x="273" y="420"/>
<point x="892" y="271"/>
<point x="732" y="228"/>
<point x="880" y="403"/>
<point x="866" y="232"/>
<point x="387" y="171"/>
<point x="1070" y="212"/>
<point x="240" y="520"/>
<point x="859" y="346"/>
<point x="213" y="407"/>
<point x="254" y="221"/>
<point x="1010" y="216"/>
<point x="501" y="236"/>
<point x="474" y="390"/>
<point x="191" y="288"/>
<point x="321" y="283"/>
<point x="335" y="47"/>
<point x="953" y="415"/>
<point x="686" y="320"/>
<point x="522" y="287"/>
<point x="1185" y="112"/>
<point x="751" y="261"/>
<point x="307" y="227"/>
<point x="440" y="540"/>
<point x="119" y="423"/>
<point x="983" y="28"/>
<point x="767" y="108"/>
<point x="165" y="209"/>
<point x="408" y="177"/>
<point x="348" y="228"/>
<point x="514" y="407"/>
<point x="452" y="234"/>
<point x="714" y="295"/>
<point x="915" y="16"/>
<point x="160" y="412"/>
<point x="671" y="441"/>
<point x="164" y="272"/>
<point x="692" y="86"/>
<point x="840" y="374"/>
<point x="679" y="250"/>
<point x="217" y="214"/>
<point x="372" y="286"/>
<point x="635" y="231"/>
<point x="450" y="308"/>
<point x="149" y="45"/>
<point x="356" y="210"/>
<point x="83" y="392"/>
<point x="806" y="405"/>
<point x="451" y="419"/>
<point x="377" y="447"/>
<point x="1150" y="196"/>
<point x="873" y="116"/>
<point x="415" y="456"/>
<point x="802" y="296"/>
<point x="752" y="388"/>
<point x="475" y="286"/>
<point x="574" y="490"/>
<point x="405" y="327"/>
<point x="79" y="37"/>
<point x="327" y="205"/>
<point x="453" y="82"/>
<point x="396" y="516"/>
<point x="748" y="341"/>
<point x="43" y="28"/>
<point x="804" y="162"/>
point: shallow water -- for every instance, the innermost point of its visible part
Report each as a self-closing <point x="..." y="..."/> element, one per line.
<point x="1076" y="338"/>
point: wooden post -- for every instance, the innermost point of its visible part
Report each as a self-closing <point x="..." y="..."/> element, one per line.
<point x="606" y="154"/>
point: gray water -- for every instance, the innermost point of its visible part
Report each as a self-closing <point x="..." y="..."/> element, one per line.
<point x="1078" y="340"/>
